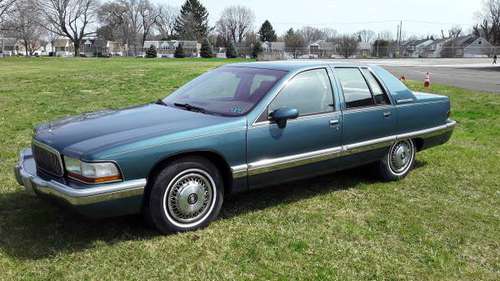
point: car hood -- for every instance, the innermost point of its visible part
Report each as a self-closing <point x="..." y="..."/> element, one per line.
<point x="92" y="132"/>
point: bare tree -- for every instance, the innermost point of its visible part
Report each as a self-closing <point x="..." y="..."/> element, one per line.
<point x="5" y="7"/>
<point x="149" y="15"/>
<point x="453" y="33"/>
<point x="24" y="22"/>
<point x="294" y="42"/>
<point x="112" y="18"/>
<point x="490" y="22"/>
<point x="385" y="35"/>
<point x="312" y="34"/>
<point x="347" y="45"/>
<point x="166" y="21"/>
<point x="235" y="22"/>
<point x="69" y="18"/>
<point x="366" y="36"/>
<point x="329" y="34"/>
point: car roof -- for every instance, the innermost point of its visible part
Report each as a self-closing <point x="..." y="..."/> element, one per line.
<point x="294" y="65"/>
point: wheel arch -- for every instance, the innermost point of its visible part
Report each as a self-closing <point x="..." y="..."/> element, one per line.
<point x="218" y="160"/>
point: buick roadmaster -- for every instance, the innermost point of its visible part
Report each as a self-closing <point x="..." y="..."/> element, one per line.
<point x="236" y="128"/>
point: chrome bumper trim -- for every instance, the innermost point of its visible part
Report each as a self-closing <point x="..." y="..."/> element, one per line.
<point x="26" y="176"/>
<point x="269" y="165"/>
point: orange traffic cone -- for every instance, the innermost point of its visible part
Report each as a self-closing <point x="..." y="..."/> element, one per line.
<point x="427" y="80"/>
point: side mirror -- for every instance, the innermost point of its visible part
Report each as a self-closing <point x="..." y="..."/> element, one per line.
<point x="282" y="115"/>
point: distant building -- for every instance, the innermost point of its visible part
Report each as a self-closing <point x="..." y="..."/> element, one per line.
<point x="434" y="49"/>
<point x="364" y="49"/>
<point x="468" y="46"/>
<point x="116" y="48"/>
<point x="167" y="48"/>
<point x="63" y="47"/>
<point x="322" y="49"/>
<point x="94" y="47"/>
<point x="415" y="48"/>
<point x="8" y="47"/>
<point x="272" y="51"/>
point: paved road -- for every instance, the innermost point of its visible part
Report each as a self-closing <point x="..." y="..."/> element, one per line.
<point x="480" y="79"/>
<point x="474" y="74"/>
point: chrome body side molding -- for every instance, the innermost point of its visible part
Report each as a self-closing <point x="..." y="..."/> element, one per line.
<point x="269" y="165"/>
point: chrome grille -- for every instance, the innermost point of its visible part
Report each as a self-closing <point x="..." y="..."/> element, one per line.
<point x="47" y="159"/>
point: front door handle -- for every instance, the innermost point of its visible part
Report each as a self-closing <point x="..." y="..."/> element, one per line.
<point x="334" y="123"/>
<point x="387" y="114"/>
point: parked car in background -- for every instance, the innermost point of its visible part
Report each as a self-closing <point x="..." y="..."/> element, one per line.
<point x="235" y="128"/>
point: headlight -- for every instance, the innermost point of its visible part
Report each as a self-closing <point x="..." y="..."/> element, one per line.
<point x="92" y="173"/>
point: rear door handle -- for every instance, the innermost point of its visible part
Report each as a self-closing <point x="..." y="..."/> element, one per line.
<point x="387" y="114"/>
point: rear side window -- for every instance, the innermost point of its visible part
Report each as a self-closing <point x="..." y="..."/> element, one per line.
<point x="309" y="92"/>
<point x="377" y="90"/>
<point x="356" y="91"/>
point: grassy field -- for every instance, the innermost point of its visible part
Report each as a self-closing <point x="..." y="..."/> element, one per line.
<point x="440" y="223"/>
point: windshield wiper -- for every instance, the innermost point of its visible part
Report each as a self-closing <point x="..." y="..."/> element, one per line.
<point x="190" y="107"/>
<point x="161" y="102"/>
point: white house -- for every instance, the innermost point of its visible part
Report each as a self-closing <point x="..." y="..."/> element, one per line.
<point x="63" y="47"/>
<point x="167" y="48"/>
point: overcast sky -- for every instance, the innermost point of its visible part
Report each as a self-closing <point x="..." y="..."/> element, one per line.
<point x="423" y="17"/>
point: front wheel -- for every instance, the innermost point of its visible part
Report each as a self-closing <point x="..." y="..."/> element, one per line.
<point x="398" y="161"/>
<point x="186" y="195"/>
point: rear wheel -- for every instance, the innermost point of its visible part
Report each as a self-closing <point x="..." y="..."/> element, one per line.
<point x="399" y="160"/>
<point x="186" y="195"/>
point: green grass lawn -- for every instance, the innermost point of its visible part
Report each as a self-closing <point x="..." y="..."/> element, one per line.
<point x="440" y="223"/>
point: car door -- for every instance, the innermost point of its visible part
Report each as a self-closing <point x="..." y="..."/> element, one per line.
<point x="301" y="147"/>
<point x="369" y="118"/>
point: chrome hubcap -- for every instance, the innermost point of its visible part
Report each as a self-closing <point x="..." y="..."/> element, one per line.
<point x="189" y="197"/>
<point x="401" y="156"/>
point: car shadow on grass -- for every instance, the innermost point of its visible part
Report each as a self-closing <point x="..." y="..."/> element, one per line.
<point x="32" y="229"/>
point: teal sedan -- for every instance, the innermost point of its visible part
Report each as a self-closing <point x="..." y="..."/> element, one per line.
<point x="236" y="128"/>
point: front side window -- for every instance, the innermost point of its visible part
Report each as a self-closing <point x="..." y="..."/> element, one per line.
<point x="356" y="91"/>
<point x="228" y="91"/>
<point x="309" y="92"/>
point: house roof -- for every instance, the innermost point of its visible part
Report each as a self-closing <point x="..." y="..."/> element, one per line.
<point x="464" y="41"/>
<point x="61" y="43"/>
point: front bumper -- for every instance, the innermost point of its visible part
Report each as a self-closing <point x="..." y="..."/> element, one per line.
<point x="75" y="194"/>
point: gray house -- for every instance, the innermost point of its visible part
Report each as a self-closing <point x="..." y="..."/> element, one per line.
<point x="471" y="46"/>
<point x="415" y="48"/>
<point x="434" y="49"/>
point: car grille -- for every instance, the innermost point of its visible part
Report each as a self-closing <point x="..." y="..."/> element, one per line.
<point x="47" y="159"/>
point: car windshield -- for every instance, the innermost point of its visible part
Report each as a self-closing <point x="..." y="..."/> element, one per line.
<point x="228" y="91"/>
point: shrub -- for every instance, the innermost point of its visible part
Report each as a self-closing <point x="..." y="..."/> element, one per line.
<point x="151" y="52"/>
<point x="179" y="52"/>
<point x="257" y="49"/>
<point x="206" y="49"/>
<point x="231" y="51"/>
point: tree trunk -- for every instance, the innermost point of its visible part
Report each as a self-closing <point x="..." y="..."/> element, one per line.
<point x="77" y="48"/>
<point x="26" y="48"/>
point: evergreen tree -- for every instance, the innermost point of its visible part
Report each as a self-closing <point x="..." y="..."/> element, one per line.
<point x="206" y="49"/>
<point x="192" y="22"/>
<point x="151" y="52"/>
<point x="179" y="52"/>
<point x="267" y="32"/>
<point x="257" y="49"/>
<point x="231" y="51"/>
